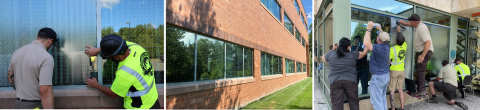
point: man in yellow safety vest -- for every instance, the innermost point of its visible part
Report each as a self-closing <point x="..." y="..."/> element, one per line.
<point x="397" y="73"/>
<point x="134" y="80"/>
<point x="462" y="71"/>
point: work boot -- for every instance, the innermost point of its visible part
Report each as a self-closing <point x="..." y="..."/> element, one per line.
<point x="461" y="105"/>
<point x="433" y="100"/>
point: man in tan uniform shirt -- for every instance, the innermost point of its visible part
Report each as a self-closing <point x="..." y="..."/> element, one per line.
<point x="448" y="86"/>
<point x="423" y="48"/>
<point x="30" y="72"/>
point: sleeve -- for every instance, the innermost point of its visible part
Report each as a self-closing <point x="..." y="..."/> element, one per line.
<point x="375" y="47"/>
<point x="327" y="56"/>
<point x="122" y="83"/>
<point x="442" y="71"/>
<point x="355" y="55"/>
<point x="392" y="54"/>
<point x="10" y="67"/>
<point x="46" y="72"/>
<point x="424" y="35"/>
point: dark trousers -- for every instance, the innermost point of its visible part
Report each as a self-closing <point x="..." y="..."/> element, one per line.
<point x="155" y="106"/>
<point x="421" y="68"/>
<point x="362" y="75"/>
<point x="27" y="104"/>
<point x="338" y="89"/>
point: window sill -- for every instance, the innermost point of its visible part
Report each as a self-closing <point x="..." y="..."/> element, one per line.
<point x="272" y="77"/>
<point x="290" y="74"/>
<point x="204" y="85"/>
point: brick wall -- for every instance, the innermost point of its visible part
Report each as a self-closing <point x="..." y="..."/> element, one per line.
<point x="246" y="23"/>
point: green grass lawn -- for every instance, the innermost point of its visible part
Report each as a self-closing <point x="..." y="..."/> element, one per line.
<point x="296" y="96"/>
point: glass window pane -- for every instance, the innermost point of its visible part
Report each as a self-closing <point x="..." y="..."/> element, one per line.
<point x="462" y="23"/>
<point x="461" y="44"/>
<point x="74" y="23"/>
<point x="299" y="67"/>
<point x="181" y="55"/>
<point x="296" y="6"/>
<point x="433" y="17"/>
<point x="440" y="40"/>
<point x="304" y="68"/>
<point x="297" y="35"/>
<point x="271" y="64"/>
<point x="273" y="7"/>
<point x="248" y="65"/>
<point x="288" y="24"/>
<point x="234" y="63"/>
<point x="389" y="6"/>
<point x="210" y="58"/>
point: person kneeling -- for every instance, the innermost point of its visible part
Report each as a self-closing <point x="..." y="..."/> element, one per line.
<point x="447" y="86"/>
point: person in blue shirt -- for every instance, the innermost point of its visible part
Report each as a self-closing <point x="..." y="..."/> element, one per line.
<point x="362" y="67"/>
<point x="378" y="66"/>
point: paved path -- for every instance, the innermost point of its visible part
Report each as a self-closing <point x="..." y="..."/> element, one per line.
<point x="319" y="101"/>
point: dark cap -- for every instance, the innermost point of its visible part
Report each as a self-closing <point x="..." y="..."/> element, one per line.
<point x="414" y="17"/>
<point x="112" y="45"/>
<point x="48" y="32"/>
<point x="458" y="59"/>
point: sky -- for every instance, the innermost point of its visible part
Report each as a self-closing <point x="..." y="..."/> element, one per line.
<point x="117" y="13"/>
<point x="307" y="5"/>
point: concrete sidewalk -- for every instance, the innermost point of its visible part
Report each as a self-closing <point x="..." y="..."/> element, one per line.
<point x="473" y="103"/>
<point x="319" y="102"/>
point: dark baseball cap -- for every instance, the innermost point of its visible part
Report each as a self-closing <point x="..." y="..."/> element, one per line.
<point x="48" y="32"/>
<point x="414" y="17"/>
<point x="112" y="45"/>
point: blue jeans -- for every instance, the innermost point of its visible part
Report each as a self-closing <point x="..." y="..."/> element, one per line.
<point x="378" y="91"/>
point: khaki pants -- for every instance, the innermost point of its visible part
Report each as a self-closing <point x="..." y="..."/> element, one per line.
<point x="27" y="105"/>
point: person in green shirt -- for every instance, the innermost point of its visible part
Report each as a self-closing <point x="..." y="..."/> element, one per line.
<point x="397" y="73"/>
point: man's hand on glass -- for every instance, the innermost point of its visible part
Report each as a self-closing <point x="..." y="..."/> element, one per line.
<point x="91" y="51"/>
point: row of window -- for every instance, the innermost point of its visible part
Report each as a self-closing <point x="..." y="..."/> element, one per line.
<point x="193" y="57"/>
<point x="272" y="65"/>
<point x="274" y="8"/>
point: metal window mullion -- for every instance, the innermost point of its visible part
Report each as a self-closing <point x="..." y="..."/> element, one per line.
<point x="99" y="38"/>
<point x="195" y="60"/>
<point x="243" y="61"/>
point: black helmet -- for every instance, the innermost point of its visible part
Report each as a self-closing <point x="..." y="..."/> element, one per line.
<point x="112" y="45"/>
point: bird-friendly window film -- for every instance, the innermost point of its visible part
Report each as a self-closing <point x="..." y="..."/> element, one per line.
<point x="303" y="42"/>
<point x="273" y="7"/>
<point x="140" y="22"/>
<point x="289" y="66"/>
<point x="288" y="24"/>
<point x="271" y="64"/>
<point x="194" y="57"/>
<point x="74" y="23"/>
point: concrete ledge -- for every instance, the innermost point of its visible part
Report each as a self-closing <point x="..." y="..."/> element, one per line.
<point x="290" y="74"/>
<point x="272" y="77"/>
<point x="180" y="88"/>
<point x="75" y="96"/>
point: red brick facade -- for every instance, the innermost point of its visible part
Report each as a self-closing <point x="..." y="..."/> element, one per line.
<point x="246" y="23"/>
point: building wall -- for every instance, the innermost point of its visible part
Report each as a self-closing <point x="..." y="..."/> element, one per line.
<point x="247" y="23"/>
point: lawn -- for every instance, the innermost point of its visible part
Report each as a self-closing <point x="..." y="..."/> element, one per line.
<point x="296" y="96"/>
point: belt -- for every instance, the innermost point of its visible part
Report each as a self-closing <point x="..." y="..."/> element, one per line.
<point x="28" y="100"/>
